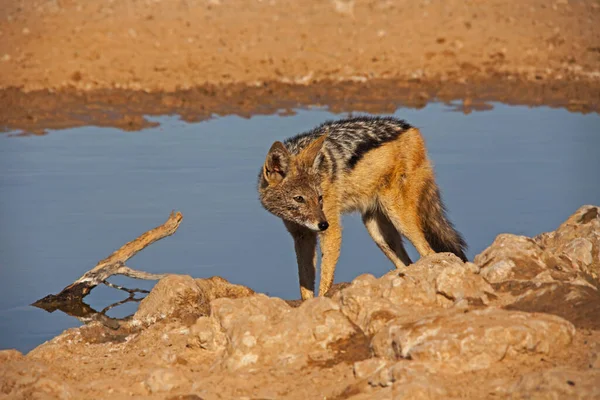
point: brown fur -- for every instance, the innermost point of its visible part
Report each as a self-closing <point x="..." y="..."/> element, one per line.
<point x="392" y="186"/>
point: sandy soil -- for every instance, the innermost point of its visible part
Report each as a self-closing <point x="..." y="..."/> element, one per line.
<point x="530" y="52"/>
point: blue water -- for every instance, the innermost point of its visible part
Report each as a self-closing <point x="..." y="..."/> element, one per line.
<point x="70" y="198"/>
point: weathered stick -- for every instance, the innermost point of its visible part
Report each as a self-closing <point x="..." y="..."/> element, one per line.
<point x="113" y="265"/>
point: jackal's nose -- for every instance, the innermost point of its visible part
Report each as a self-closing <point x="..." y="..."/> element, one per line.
<point x="323" y="225"/>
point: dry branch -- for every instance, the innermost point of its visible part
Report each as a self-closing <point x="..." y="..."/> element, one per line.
<point x="113" y="265"/>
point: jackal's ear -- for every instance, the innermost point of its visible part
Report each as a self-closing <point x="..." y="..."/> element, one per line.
<point x="277" y="163"/>
<point x="309" y="154"/>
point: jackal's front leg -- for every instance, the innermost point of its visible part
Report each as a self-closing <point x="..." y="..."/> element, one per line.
<point x="331" y="243"/>
<point x="305" y="243"/>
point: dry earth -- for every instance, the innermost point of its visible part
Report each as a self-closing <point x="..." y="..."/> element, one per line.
<point x="522" y="321"/>
<point x="72" y="62"/>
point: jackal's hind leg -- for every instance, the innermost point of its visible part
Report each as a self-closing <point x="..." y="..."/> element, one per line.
<point x="405" y="219"/>
<point x="387" y="237"/>
<point x="305" y="243"/>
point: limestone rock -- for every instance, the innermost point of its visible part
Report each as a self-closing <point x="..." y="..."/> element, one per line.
<point x="185" y="297"/>
<point x="375" y="370"/>
<point x="173" y="295"/>
<point x="580" y="251"/>
<point x="511" y="257"/>
<point x="579" y="304"/>
<point x="401" y="381"/>
<point x="577" y="240"/>
<point x="206" y="334"/>
<point x="437" y="281"/>
<point x="557" y="383"/>
<point x="472" y="341"/>
<point x="414" y="382"/>
<point x="262" y="330"/>
<point x="573" y="248"/>
<point x="20" y="378"/>
<point x="555" y="272"/>
<point x="217" y="287"/>
<point x="366" y="368"/>
<point x="164" y="380"/>
<point x="461" y="281"/>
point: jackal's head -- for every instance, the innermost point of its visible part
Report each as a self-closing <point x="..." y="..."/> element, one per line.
<point x="290" y="186"/>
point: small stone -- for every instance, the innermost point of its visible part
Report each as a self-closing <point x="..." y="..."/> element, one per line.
<point x="206" y="334"/>
<point x="580" y="251"/>
<point x="164" y="380"/>
<point x="367" y="368"/>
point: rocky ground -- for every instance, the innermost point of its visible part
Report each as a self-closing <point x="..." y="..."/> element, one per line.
<point x="67" y="63"/>
<point x="521" y="321"/>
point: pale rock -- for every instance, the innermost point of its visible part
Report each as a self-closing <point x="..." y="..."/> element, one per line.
<point x="436" y="281"/>
<point x="345" y="7"/>
<point x="404" y="382"/>
<point x="556" y="383"/>
<point x="172" y="295"/>
<point x="577" y="301"/>
<point x="363" y="303"/>
<point x="164" y="380"/>
<point x="20" y="378"/>
<point x="578" y="240"/>
<point x="266" y="331"/>
<point x="580" y="251"/>
<point x="459" y="282"/>
<point x="551" y="272"/>
<point x="217" y="287"/>
<point x="499" y="271"/>
<point x="511" y="257"/>
<point x="183" y="296"/>
<point x="206" y="334"/>
<point x="414" y="382"/>
<point x="472" y="341"/>
<point x="366" y="368"/>
<point x="382" y="378"/>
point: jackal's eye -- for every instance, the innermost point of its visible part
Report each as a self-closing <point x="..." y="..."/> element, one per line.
<point x="320" y="199"/>
<point x="299" y="199"/>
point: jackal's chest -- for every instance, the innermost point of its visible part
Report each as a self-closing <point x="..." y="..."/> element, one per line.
<point x="354" y="203"/>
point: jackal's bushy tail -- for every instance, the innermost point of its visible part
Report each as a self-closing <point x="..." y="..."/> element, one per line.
<point x="439" y="231"/>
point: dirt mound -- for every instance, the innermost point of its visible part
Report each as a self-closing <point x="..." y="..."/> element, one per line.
<point x="521" y="321"/>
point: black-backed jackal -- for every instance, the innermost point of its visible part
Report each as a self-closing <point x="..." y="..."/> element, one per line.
<point x="376" y="166"/>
